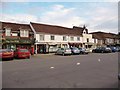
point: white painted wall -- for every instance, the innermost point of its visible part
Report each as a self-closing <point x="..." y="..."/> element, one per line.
<point x="58" y="38"/>
<point x="85" y="36"/>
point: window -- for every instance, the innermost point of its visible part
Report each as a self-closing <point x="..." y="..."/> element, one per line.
<point x="64" y="38"/>
<point x="72" y="38"/>
<point x="24" y="33"/>
<point x="52" y="37"/>
<point x="8" y="32"/>
<point x="87" y="39"/>
<point x="78" y="38"/>
<point x="41" y="37"/>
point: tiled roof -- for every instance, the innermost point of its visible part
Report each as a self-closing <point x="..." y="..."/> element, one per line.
<point x="103" y="35"/>
<point x="14" y="26"/>
<point x="53" y="29"/>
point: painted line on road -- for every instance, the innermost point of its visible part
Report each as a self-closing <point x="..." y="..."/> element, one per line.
<point x="52" y="67"/>
<point x="78" y="64"/>
<point x="99" y="60"/>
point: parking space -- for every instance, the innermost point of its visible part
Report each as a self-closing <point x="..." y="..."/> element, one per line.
<point x="93" y="70"/>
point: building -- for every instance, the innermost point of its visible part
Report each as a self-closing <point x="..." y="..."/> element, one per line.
<point x="105" y="39"/>
<point x="16" y="35"/>
<point x="50" y="37"/>
<point x="87" y="39"/>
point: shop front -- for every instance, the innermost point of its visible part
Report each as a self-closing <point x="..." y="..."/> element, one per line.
<point x="75" y="45"/>
<point x="17" y="43"/>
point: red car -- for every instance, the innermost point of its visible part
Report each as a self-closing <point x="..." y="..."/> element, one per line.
<point x="6" y="54"/>
<point x="22" y="53"/>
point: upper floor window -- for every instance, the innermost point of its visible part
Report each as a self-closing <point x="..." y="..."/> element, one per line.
<point x="87" y="39"/>
<point x="78" y="38"/>
<point x="72" y="38"/>
<point x="41" y="37"/>
<point x="52" y="37"/>
<point x="24" y="33"/>
<point x="64" y="38"/>
<point x="8" y="32"/>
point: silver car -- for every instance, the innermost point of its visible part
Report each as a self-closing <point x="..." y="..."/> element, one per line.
<point x="75" y="50"/>
<point x="64" y="51"/>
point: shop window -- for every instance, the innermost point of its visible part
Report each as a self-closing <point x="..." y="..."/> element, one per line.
<point x="8" y="32"/>
<point x="52" y="37"/>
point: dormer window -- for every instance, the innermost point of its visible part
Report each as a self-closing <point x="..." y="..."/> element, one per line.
<point x="7" y="32"/>
<point x="24" y="33"/>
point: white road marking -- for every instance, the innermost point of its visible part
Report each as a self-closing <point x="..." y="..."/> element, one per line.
<point x="78" y="63"/>
<point x="99" y="60"/>
<point x="52" y="67"/>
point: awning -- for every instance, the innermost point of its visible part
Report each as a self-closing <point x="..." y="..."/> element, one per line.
<point x="74" y="43"/>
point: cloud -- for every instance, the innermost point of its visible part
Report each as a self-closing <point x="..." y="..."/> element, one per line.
<point x="62" y="16"/>
<point x="104" y="19"/>
<point x="98" y="17"/>
<point x="60" y="0"/>
<point x="18" y="18"/>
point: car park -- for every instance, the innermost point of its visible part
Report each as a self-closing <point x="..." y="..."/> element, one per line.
<point x="6" y="54"/>
<point x="75" y="50"/>
<point x="83" y="51"/>
<point x="102" y="50"/>
<point x="63" y="51"/>
<point x="22" y="53"/>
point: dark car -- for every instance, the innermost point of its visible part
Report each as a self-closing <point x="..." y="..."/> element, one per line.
<point x="22" y="53"/>
<point x="119" y="76"/>
<point x="102" y="50"/>
<point x="83" y="51"/>
<point x="6" y="54"/>
<point x="75" y="50"/>
<point x="114" y="49"/>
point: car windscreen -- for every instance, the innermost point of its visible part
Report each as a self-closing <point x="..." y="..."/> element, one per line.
<point x="67" y="48"/>
<point x="23" y="50"/>
<point x="75" y="48"/>
<point x="5" y="50"/>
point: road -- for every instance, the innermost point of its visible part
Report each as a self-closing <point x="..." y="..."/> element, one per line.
<point x="52" y="71"/>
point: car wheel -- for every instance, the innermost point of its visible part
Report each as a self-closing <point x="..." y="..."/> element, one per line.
<point x="12" y="58"/>
<point x="63" y="54"/>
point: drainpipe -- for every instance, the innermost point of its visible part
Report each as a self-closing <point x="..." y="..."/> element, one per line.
<point x="36" y="47"/>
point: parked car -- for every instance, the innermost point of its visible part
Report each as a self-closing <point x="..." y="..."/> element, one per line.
<point x="22" y="53"/>
<point x="102" y="50"/>
<point x="83" y="51"/>
<point x="119" y="76"/>
<point x="63" y="51"/>
<point x="118" y="49"/>
<point x="6" y="54"/>
<point x="114" y="49"/>
<point x="75" y="50"/>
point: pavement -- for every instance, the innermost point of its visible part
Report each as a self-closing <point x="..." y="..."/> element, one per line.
<point x="54" y="71"/>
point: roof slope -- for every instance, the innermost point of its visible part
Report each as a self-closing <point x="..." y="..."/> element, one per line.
<point x="103" y="35"/>
<point x="14" y="26"/>
<point x="53" y="29"/>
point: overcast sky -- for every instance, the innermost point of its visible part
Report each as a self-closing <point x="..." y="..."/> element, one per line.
<point x="97" y="16"/>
